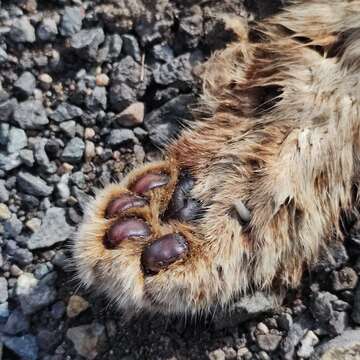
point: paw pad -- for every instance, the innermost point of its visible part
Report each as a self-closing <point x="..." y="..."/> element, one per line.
<point x="123" y="203"/>
<point x="163" y="252"/>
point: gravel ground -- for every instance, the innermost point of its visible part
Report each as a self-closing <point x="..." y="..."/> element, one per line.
<point x="88" y="91"/>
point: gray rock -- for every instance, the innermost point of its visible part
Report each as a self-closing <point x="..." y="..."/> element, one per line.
<point x="119" y="137"/>
<point x="285" y="321"/>
<point x="17" y="140"/>
<point x="4" y="133"/>
<point x="3" y="290"/>
<point x="338" y="323"/>
<point x="344" y="279"/>
<point x="97" y="100"/>
<point x="131" y="47"/>
<point x="322" y="306"/>
<point x="40" y="154"/>
<point x="25" y="84"/>
<point x="23" y="346"/>
<point x="30" y="114"/>
<point x="295" y="334"/>
<point x="307" y="345"/>
<point x="69" y="128"/>
<point x="22" y="31"/>
<point x="163" y="52"/>
<point x="127" y="83"/>
<point x="343" y="347"/>
<point x="3" y="56"/>
<point x="87" y="339"/>
<point x="54" y="229"/>
<point x="33" y="185"/>
<point x="114" y="45"/>
<point x="71" y="21"/>
<point x="13" y="226"/>
<point x="83" y="198"/>
<point x="86" y="42"/>
<point x="16" y="323"/>
<point x="27" y="157"/>
<point x="33" y="294"/>
<point x="178" y="70"/>
<point x="47" y="30"/>
<point x="65" y="111"/>
<point x="164" y="123"/>
<point x="268" y="342"/>
<point x="9" y="162"/>
<point x="4" y="194"/>
<point x="7" y="108"/>
<point x="22" y="256"/>
<point x="4" y="311"/>
<point x="246" y="308"/>
<point x="355" y="315"/>
<point x="74" y="151"/>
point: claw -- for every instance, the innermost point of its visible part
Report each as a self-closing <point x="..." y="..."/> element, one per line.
<point x="149" y="182"/>
<point x="123" y="203"/>
<point x="124" y="229"/>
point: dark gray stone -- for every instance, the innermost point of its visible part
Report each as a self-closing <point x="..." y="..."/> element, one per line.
<point x="4" y="133"/>
<point x="178" y="70"/>
<point x="22" y="31"/>
<point x="3" y="56"/>
<point x="16" y="323"/>
<point x="97" y="100"/>
<point x="23" y="346"/>
<point x="30" y="114"/>
<point x="22" y="256"/>
<point x="54" y="229"/>
<point x="71" y="21"/>
<point x="246" y="308"/>
<point x="47" y="30"/>
<point x="131" y="47"/>
<point x="33" y="185"/>
<point x="25" y="84"/>
<point x="33" y="294"/>
<point x="9" y="162"/>
<point x="7" y="108"/>
<point x="355" y="315"/>
<point x="163" y="52"/>
<point x="164" y="123"/>
<point x="119" y="137"/>
<point x="65" y="111"/>
<point x="74" y="151"/>
<point x="86" y="43"/>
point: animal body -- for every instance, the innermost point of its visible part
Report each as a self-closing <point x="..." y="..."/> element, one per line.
<point x="252" y="192"/>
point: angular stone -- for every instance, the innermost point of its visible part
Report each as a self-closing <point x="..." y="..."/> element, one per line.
<point x="24" y="346"/>
<point x="30" y="114"/>
<point x="74" y="151"/>
<point x="87" y="339"/>
<point x="17" y="140"/>
<point x="54" y="229"/>
<point x="65" y="111"/>
<point x="33" y="185"/>
<point x="71" y="21"/>
<point x="22" y="31"/>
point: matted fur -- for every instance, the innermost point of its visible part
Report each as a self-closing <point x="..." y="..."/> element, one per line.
<point x="280" y="131"/>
